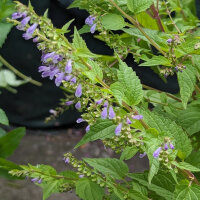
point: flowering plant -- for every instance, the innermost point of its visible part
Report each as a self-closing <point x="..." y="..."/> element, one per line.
<point x="128" y="116"/>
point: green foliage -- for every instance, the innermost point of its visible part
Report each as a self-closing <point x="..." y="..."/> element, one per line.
<point x="6" y="9"/>
<point x="128" y="88"/>
<point x="3" y="118"/>
<point x="4" y="30"/>
<point x="102" y="129"/>
<point x="109" y="166"/>
<point x="128" y="153"/>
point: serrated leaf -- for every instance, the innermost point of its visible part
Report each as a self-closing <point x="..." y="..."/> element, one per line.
<point x="66" y="26"/>
<point x="4" y="30"/>
<point x="112" y="21"/>
<point x="109" y="166"/>
<point x="169" y="128"/>
<point x="102" y="129"/>
<point x="187" y="166"/>
<point x="187" y="80"/>
<point x="128" y="153"/>
<point x="137" y="6"/>
<point x="10" y="142"/>
<point x="154" y="167"/>
<point x="187" y="192"/>
<point x="88" y="190"/>
<point x="157" y="60"/>
<point x="3" y="118"/>
<point x="128" y="88"/>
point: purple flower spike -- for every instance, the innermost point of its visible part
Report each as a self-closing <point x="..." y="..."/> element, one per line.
<point x="68" y="103"/>
<point x="87" y="128"/>
<point x="78" y="92"/>
<point x="67" y="160"/>
<point x="59" y="79"/>
<point x="111" y="113"/>
<point x="34" y="180"/>
<point x="31" y="29"/>
<point x="142" y="155"/>
<point x="169" y="41"/>
<point x="78" y="105"/>
<point x="40" y="181"/>
<point x="67" y="78"/>
<point x="79" y="120"/>
<point x="138" y="117"/>
<point x="81" y="176"/>
<point x="68" y="67"/>
<point x="105" y="104"/>
<point x="157" y="152"/>
<point x="93" y="28"/>
<point x="104" y="113"/>
<point x="128" y="121"/>
<point x="166" y="147"/>
<point x="171" y="146"/>
<point x="90" y="20"/>
<point x="118" y="129"/>
<point x="73" y="80"/>
<point x="99" y="101"/>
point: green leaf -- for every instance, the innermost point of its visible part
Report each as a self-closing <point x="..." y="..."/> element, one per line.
<point x="7" y="7"/>
<point x="137" y="6"/>
<point x="112" y="21"/>
<point x="109" y="166"/>
<point x="157" y="60"/>
<point x="2" y="132"/>
<point x="128" y="153"/>
<point x="10" y="142"/>
<point x="134" y="194"/>
<point x="49" y="188"/>
<point x="3" y="118"/>
<point x="194" y="159"/>
<point x="88" y="190"/>
<point x="102" y="129"/>
<point x="128" y="88"/>
<point x="186" y="192"/>
<point x="4" y="30"/>
<point x="64" y="29"/>
<point x="187" y="166"/>
<point x="170" y="129"/>
<point x="154" y="167"/>
<point x="187" y="80"/>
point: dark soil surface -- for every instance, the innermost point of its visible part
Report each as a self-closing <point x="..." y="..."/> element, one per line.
<point x="48" y="147"/>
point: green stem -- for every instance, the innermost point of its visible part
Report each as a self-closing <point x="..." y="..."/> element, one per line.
<point x="18" y="73"/>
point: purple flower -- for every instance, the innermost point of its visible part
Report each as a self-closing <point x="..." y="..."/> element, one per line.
<point x="176" y="68"/>
<point x="78" y="105"/>
<point x="118" y="129"/>
<point x="67" y="78"/>
<point x="57" y="58"/>
<point x="31" y="29"/>
<point x="81" y="176"/>
<point x="93" y="28"/>
<point x="128" y="121"/>
<point x="23" y="23"/>
<point x="59" y="79"/>
<point x="169" y="41"/>
<point x="68" y="67"/>
<point x="27" y="36"/>
<point x="36" y="39"/>
<point x="87" y="128"/>
<point x="16" y="15"/>
<point x="90" y="20"/>
<point x="52" y="111"/>
<point x="66" y="160"/>
<point x="34" y="180"/>
<point x="166" y="147"/>
<point x="99" y="101"/>
<point x="171" y="146"/>
<point x="68" y="103"/>
<point x="142" y="155"/>
<point x="105" y="104"/>
<point x="157" y="152"/>
<point x="24" y="14"/>
<point x="79" y="120"/>
<point x="138" y="117"/>
<point x="73" y="80"/>
<point x="53" y="72"/>
<point x="47" y="56"/>
<point x="104" y="113"/>
<point x="111" y="113"/>
<point x="78" y="92"/>
<point x="40" y="181"/>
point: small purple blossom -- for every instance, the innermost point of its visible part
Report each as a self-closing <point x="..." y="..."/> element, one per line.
<point x="31" y="29"/>
<point x="128" y="121"/>
<point x="138" y="117"/>
<point x="68" y="103"/>
<point x="105" y="104"/>
<point x="57" y="58"/>
<point x="53" y="72"/>
<point x="59" y="79"/>
<point x="36" y="39"/>
<point x="142" y="155"/>
<point x="99" y="101"/>
<point x="23" y="23"/>
<point x="46" y="74"/>
<point x="79" y="120"/>
<point x="166" y="147"/>
<point x="81" y="176"/>
<point x="176" y="68"/>
<point x="171" y="146"/>
<point x="111" y="113"/>
<point x="73" y="80"/>
<point x="78" y="92"/>
<point x="118" y="129"/>
<point x="34" y="180"/>
<point x="169" y="41"/>
<point x="87" y="128"/>
<point x="157" y="152"/>
<point x="66" y="160"/>
<point x="67" y="78"/>
<point x="16" y="15"/>
<point x="27" y="36"/>
<point x="78" y="105"/>
<point x="47" y="56"/>
<point x="40" y="181"/>
<point x="90" y="20"/>
<point x="68" y="67"/>
<point x="93" y="28"/>
<point x="104" y="113"/>
<point x="52" y="111"/>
